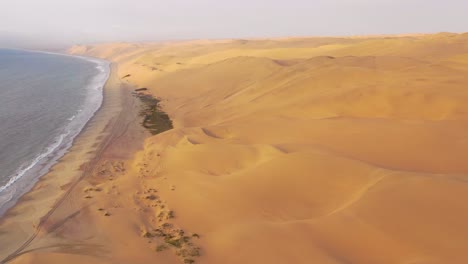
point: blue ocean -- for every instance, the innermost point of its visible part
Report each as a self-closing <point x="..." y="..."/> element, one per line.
<point x="45" y="101"/>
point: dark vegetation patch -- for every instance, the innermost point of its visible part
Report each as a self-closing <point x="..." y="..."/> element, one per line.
<point x="154" y="119"/>
<point x="175" y="242"/>
<point x="176" y="239"/>
<point x="161" y="248"/>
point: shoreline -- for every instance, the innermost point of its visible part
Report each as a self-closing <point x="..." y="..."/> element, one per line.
<point x="26" y="178"/>
<point x="257" y="168"/>
<point x="23" y="220"/>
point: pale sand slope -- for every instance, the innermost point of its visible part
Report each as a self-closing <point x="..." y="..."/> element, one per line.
<point x="317" y="150"/>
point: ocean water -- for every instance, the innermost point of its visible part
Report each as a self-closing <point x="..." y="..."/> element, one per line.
<point x="45" y="101"/>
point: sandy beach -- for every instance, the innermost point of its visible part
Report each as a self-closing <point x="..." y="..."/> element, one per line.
<point x="23" y="225"/>
<point x="292" y="150"/>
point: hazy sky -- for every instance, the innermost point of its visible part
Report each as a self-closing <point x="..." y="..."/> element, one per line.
<point x="85" y="21"/>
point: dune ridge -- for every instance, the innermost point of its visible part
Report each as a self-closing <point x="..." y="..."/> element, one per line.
<point x="294" y="150"/>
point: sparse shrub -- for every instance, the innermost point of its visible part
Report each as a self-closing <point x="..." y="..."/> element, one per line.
<point x="151" y="197"/>
<point x="148" y="235"/>
<point x="170" y="214"/>
<point x="161" y="248"/>
<point x="174" y="242"/>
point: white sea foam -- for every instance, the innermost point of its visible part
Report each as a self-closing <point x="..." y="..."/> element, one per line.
<point x="38" y="159"/>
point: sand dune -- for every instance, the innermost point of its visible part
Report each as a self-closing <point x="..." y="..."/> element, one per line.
<point x="302" y="150"/>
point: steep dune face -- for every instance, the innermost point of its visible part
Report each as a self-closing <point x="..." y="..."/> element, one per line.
<point x="312" y="150"/>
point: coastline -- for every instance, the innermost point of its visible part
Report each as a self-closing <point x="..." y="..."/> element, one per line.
<point x="27" y="177"/>
<point x="281" y="151"/>
<point x="22" y="221"/>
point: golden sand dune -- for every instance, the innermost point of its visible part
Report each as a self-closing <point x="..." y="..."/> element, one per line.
<point x="302" y="150"/>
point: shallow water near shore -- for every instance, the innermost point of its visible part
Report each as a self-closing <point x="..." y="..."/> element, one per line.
<point x="45" y="101"/>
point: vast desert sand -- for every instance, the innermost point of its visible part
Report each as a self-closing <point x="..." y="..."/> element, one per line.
<point x="293" y="150"/>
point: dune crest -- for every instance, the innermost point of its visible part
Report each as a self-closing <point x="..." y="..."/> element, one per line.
<point x="302" y="139"/>
<point x="295" y="150"/>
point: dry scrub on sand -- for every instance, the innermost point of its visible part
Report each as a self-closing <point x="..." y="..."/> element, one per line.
<point x="303" y="150"/>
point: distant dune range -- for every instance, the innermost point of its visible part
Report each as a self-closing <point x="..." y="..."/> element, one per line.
<point x="300" y="150"/>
